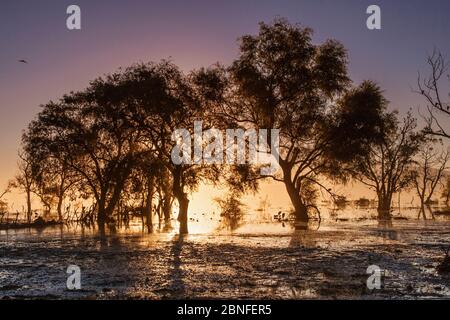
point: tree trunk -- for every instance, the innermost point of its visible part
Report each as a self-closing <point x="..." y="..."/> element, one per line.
<point x="29" y="210"/>
<point x="182" y="199"/>
<point x="149" y="205"/>
<point x="422" y="206"/>
<point x="431" y="212"/>
<point x="101" y="215"/>
<point x="384" y="207"/>
<point x="301" y="213"/>
<point x="183" y="214"/>
<point x="422" y="209"/>
<point x="167" y="208"/>
<point x="59" y="209"/>
<point x="107" y="206"/>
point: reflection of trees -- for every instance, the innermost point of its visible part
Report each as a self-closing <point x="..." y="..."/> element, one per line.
<point x="341" y="202"/>
<point x="264" y="204"/>
<point x="303" y="238"/>
<point x="176" y="274"/>
<point x="422" y="212"/>
<point x="386" y="230"/>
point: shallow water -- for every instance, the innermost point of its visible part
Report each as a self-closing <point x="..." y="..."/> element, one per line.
<point x="265" y="260"/>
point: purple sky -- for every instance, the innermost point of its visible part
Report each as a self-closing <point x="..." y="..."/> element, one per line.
<point x="194" y="33"/>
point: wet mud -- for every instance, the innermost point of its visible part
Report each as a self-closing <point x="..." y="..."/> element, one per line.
<point x="265" y="261"/>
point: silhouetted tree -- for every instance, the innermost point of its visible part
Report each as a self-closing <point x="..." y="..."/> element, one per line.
<point x="182" y="100"/>
<point x="122" y="125"/>
<point x="53" y="179"/>
<point x="165" y="194"/>
<point x="387" y="167"/>
<point x="90" y="133"/>
<point x="3" y="203"/>
<point x="144" y="181"/>
<point x="24" y="180"/>
<point x="430" y="88"/>
<point x="165" y="99"/>
<point x="6" y="190"/>
<point x="432" y="164"/>
<point x="282" y="80"/>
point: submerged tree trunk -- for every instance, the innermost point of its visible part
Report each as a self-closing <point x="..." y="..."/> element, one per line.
<point x="29" y="210"/>
<point x="109" y="198"/>
<point x="384" y="207"/>
<point x="183" y="214"/>
<point x="182" y="199"/>
<point x="167" y="208"/>
<point x="431" y="211"/>
<point x="167" y="200"/>
<point x="149" y="204"/>
<point x="422" y="207"/>
<point x="301" y="212"/>
<point x="59" y="209"/>
<point x="101" y="207"/>
<point x="101" y="215"/>
<point x="422" y="210"/>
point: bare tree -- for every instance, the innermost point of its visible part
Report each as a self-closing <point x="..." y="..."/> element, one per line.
<point x="430" y="87"/>
<point x="4" y="204"/>
<point x="53" y="181"/>
<point x="387" y="168"/>
<point x="24" y="180"/>
<point x="446" y="191"/>
<point x="432" y="165"/>
<point x="6" y="190"/>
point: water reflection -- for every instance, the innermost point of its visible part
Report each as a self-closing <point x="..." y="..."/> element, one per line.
<point x="386" y="230"/>
<point x="303" y="238"/>
<point x="176" y="273"/>
<point x="422" y="213"/>
<point x="120" y="263"/>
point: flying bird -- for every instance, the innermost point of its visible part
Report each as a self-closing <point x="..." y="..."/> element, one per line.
<point x="23" y="61"/>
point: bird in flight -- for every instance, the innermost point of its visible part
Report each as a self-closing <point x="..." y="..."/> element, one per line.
<point x="23" y="61"/>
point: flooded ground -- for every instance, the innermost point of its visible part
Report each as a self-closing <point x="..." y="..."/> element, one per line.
<point x="258" y="260"/>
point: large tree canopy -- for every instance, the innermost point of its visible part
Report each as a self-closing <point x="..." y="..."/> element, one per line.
<point x="120" y="128"/>
<point x="282" y="80"/>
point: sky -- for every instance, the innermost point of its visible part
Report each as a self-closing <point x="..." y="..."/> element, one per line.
<point x="195" y="33"/>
